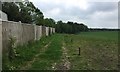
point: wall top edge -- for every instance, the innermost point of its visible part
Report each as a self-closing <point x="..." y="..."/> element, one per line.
<point x="22" y="23"/>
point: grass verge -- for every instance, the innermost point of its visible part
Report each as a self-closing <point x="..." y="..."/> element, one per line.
<point x="26" y="53"/>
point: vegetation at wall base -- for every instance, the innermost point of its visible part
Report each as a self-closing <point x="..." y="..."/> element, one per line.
<point x="26" y="53"/>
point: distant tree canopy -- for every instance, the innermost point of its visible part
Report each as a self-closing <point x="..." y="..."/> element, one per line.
<point x="70" y="27"/>
<point x="26" y="12"/>
<point x="103" y="29"/>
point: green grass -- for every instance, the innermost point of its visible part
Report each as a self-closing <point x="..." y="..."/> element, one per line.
<point x="99" y="50"/>
<point x="26" y="53"/>
<point x="52" y="54"/>
<point x="109" y="35"/>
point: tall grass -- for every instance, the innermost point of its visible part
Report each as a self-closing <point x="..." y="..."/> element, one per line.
<point x="26" y="53"/>
<point x="52" y="54"/>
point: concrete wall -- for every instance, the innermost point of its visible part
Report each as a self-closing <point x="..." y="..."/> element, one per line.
<point x="38" y="32"/>
<point x="53" y="30"/>
<point x="43" y="31"/>
<point x="28" y="33"/>
<point x="47" y="31"/>
<point x="22" y="32"/>
<point x="3" y="16"/>
<point x="0" y="45"/>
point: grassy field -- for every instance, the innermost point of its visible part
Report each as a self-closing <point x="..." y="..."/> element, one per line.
<point x="98" y="51"/>
<point x="109" y="35"/>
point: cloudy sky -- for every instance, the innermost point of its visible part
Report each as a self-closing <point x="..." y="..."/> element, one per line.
<point x="102" y="14"/>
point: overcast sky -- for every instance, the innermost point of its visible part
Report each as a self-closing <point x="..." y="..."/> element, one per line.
<point x="102" y="14"/>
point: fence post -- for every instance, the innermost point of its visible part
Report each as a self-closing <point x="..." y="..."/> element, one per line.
<point x="79" y="51"/>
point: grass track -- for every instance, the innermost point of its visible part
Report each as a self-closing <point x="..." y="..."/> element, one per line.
<point x="50" y="56"/>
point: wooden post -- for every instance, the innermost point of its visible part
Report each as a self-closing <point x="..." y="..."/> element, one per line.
<point x="79" y="51"/>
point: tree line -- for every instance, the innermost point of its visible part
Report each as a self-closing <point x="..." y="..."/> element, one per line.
<point x="26" y="12"/>
<point x="103" y="29"/>
<point x="70" y="27"/>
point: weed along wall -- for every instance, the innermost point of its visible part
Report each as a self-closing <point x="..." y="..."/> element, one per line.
<point x="21" y="32"/>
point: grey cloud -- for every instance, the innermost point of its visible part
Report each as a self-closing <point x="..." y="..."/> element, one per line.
<point x="93" y="8"/>
<point x="86" y="15"/>
<point x="103" y="6"/>
<point x="76" y="11"/>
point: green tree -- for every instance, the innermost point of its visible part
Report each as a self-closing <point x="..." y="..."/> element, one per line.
<point x="12" y="10"/>
<point x="49" y="22"/>
<point x="25" y="12"/>
<point x="70" y="27"/>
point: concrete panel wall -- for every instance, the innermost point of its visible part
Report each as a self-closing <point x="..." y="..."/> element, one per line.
<point x="53" y="30"/>
<point x="0" y="45"/>
<point x="43" y="31"/>
<point x="7" y="30"/>
<point x="3" y="16"/>
<point x="28" y="33"/>
<point x="38" y="32"/>
<point x="21" y="32"/>
<point x="47" y="31"/>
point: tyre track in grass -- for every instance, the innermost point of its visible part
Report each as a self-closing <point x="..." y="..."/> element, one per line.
<point x="65" y="63"/>
<point x="29" y="63"/>
<point x="52" y="55"/>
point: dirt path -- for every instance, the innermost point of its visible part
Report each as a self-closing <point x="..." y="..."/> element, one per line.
<point x="29" y="63"/>
<point x="64" y="64"/>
